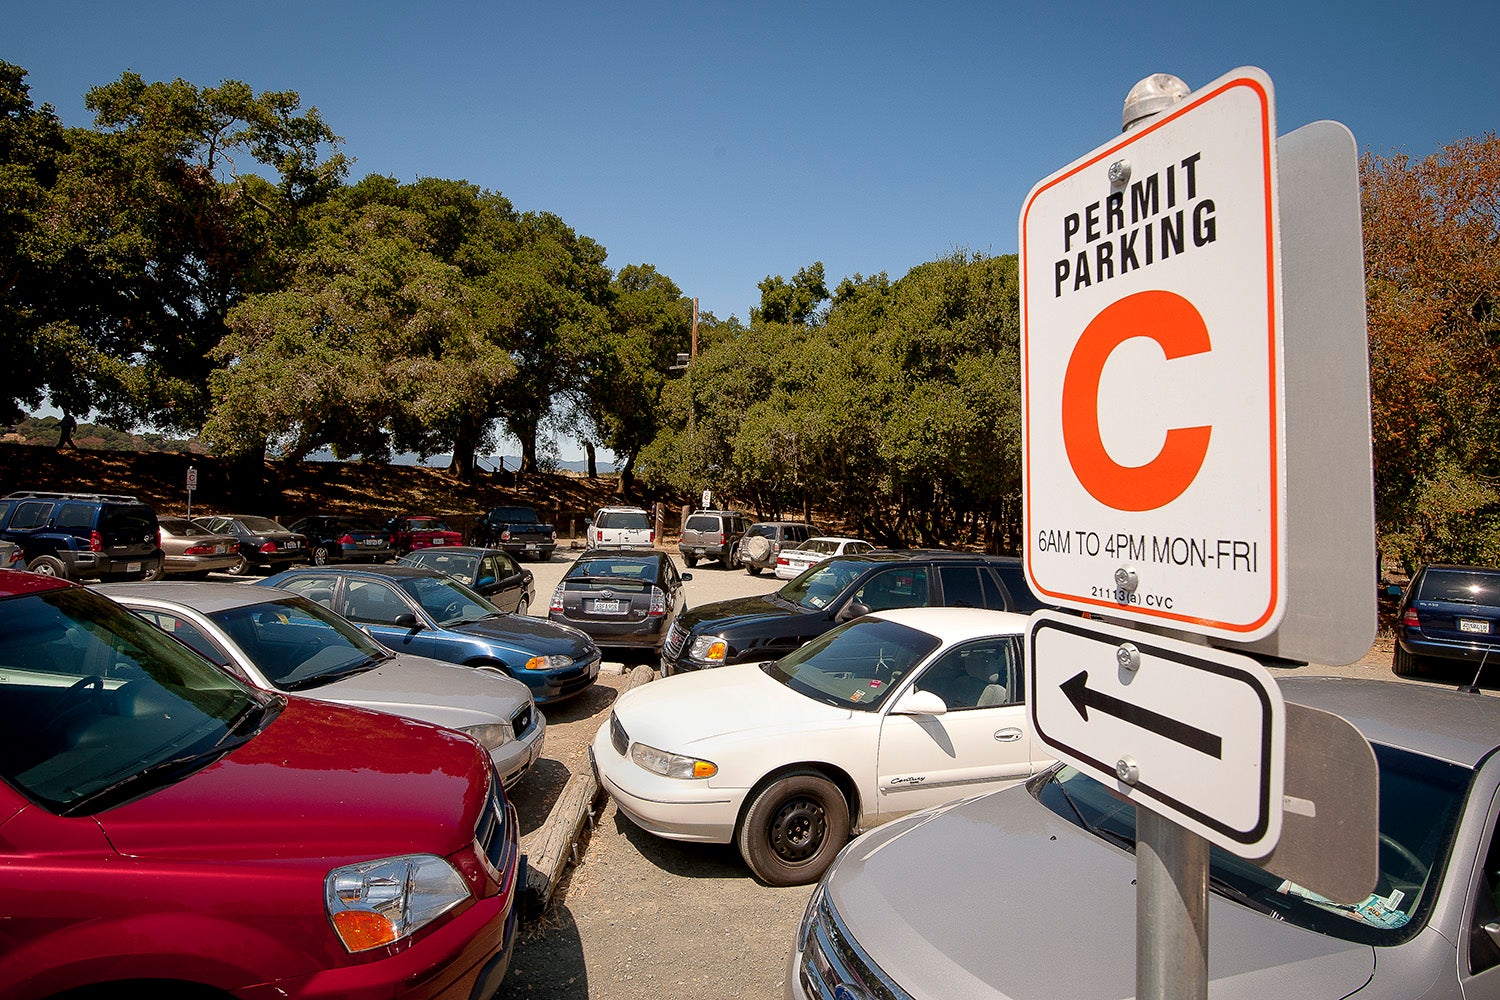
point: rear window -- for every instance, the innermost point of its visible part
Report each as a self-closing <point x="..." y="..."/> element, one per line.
<point x="514" y="515"/>
<point x="703" y="522"/>
<point x="624" y="519"/>
<point x="1460" y="587"/>
<point x="130" y="520"/>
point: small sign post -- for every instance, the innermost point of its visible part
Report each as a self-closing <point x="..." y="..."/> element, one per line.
<point x="192" y="484"/>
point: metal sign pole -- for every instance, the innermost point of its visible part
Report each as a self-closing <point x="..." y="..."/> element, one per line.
<point x="1171" y="910"/>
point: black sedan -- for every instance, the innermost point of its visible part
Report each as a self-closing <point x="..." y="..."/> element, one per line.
<point x="263" y="542"/>
<point x="622" y="597"/>
<point x="494" y="573"/>
<point x="341" y="539"/>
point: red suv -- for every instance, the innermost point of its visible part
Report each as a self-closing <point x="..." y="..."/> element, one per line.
<point x="419" y="531"/>
<point x="168" y="831"/>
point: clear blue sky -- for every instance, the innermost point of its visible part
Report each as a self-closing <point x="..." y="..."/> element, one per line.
<point x="724" y="142"/>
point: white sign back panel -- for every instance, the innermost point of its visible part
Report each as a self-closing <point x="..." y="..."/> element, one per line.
<point x="1151" y="367"/>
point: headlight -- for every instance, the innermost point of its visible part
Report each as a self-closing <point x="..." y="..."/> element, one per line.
<point x="493" y="735"/>
<point x="671" y="765"/>
<point x="710" y="648"/>
<point x="380" y="902"/>
<point x="555" y="662"/>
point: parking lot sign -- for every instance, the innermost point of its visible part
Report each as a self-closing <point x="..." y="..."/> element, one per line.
<point x="1152" y="377"/>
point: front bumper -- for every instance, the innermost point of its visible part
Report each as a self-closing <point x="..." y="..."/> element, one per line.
<point x="555" y="685"/>
<point x="674" y="808"/>
<point x="514" y="759"/>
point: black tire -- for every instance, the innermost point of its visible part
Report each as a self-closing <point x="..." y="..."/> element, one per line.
<point x="155" y="572"/>
<point x="752" y="569"/>
<point x="794" y="829"/>
<point x="691" y="561"/>
<point x="523" y="607"/>
<point x="240" y="568"/>
<point x="48" y="566"/>
<point x="1404" y="664"/>
<point x="732" y="559"/>
<point x="320" y="555"/>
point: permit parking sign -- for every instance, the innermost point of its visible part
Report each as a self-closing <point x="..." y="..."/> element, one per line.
<point x="1152" y="417"/>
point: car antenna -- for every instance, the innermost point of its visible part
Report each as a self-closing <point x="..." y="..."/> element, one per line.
<point x="1473" y="686"/>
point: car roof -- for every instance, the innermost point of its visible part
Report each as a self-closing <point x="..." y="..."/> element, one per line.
<point x="398" y="571"/>
<point x="622" y="510"/>
<point x="1432" y="720"/>
<point x="958" y="624"/>
<point x="924" y="555"/>
<point x="14" y="583"/>
<point x="633" y="551"/>
<point x="204" y="596"/>
<point x="835" y="538"/>
<point x="463" y="550"/>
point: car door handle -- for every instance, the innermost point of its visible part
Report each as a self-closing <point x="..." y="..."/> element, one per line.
<point x="1008" y="735"/>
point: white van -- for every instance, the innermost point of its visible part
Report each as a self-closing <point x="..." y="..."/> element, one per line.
<point x="629" y="526"/>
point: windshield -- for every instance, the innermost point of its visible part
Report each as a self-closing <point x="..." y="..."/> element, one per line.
<point x="1420" y="802"/>
<point x="183" y="527"/>
<point x="822" y="586"/>
<point x="297" y="644"/>
<point x="447" y="601"/>
<point x="443" y="560"/>
<point x="855" y="666"/>
<point x="93" y="698"/>
<point x="426" y="524"/>
<point x="261" y="524"/>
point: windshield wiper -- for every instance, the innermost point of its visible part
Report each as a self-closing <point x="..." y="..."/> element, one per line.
<point x="162" y="773"/>
<point x="1113" y="836"/>
<point x="336" y="674"/>
<point x="1234" y="892"/>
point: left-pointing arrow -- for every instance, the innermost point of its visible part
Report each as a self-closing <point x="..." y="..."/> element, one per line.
<point x="1083" y="698"/>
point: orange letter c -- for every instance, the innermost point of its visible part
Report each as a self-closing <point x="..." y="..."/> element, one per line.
<point x="1171" y="321"/>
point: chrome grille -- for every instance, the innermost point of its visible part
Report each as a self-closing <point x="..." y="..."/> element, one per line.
<point x="497" y="834"/>
<point x="617" y="735"/>
<point x="831" y="958"/>
<point x="521" y="721"/>
<point x="676" y="637"/>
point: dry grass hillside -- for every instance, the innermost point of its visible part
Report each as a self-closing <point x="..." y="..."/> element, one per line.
<point x="289" y="490"/>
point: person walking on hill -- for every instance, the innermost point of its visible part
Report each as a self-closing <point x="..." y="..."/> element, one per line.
<point x="66" y="427"/>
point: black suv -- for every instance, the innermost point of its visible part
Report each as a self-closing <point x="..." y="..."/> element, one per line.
<point x="83" y="535"/>
<point x="841" y="588"/>
<point x="1450" y="613"/>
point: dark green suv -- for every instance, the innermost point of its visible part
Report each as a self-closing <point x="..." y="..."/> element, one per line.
<point x="83" y="535"/>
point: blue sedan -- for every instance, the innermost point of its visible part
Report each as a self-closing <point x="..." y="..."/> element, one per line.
<point x="420" y="611"/>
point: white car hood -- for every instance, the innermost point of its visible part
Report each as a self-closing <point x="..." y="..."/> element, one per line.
<point x="446" y="694"/>
<point x="676" y="713"/>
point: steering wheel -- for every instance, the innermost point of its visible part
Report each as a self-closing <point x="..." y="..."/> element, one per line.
<point x="1414" y="864"/>
<point x="66" y="704"/>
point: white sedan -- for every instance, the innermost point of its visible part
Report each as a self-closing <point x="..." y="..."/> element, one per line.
<point x="791" y="562"/>
<point x="889" y="713"/>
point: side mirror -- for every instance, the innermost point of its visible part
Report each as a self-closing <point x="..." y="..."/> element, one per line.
<point x="1393" y="590"/>
<point x="851" y="611"/>
<point x="406" y="620"/>
<point x="920" y="703"/>
<point x="686" y="577"/>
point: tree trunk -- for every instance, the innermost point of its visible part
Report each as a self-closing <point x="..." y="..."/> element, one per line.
<point x="465" y="447"/>
<point x="627" y="474"/>
<point x="588" y="449"/>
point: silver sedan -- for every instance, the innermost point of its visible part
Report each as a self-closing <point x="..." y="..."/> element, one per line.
<point x="1029" y="892"/>
<point x="282" y="642"/>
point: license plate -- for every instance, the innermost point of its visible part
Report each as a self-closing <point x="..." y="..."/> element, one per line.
<point x="531" y="547"/>
<point x="294" y="545"/>
<point x="438" y="541"/>
<point x="1473" y="625"/>
<point x="132" y="567"/>
<point x="369" y="542"/>
<point x="219" y="550"/>
<point x="696" y="552"/>
<point x="608" y="607"/>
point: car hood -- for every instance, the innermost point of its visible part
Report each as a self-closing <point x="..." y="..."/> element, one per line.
<point x="966" y="908"/>
<point x="739" y="613"/>
<point x="444" y="694"/>
<point x="536" y="635"/>
<point x="681" y="712"/>
<point x="321" y="781"/>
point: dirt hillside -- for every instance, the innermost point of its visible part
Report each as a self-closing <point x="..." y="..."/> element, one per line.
<point x="290" y="490"/>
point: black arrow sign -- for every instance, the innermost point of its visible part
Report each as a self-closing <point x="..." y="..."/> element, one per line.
<point x="1083" y="698"/>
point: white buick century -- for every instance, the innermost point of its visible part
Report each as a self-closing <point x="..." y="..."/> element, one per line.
<point x="887" y="714"/>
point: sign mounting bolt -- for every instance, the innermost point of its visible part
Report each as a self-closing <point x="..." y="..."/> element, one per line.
<point x="1119" y="172"/>
<point x="1127" y="579"/>
<point x="1127" y="770"/>
<point x="1128" y="656"/>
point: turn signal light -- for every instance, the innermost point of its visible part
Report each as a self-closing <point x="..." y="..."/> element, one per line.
<point x="361" y="930"/>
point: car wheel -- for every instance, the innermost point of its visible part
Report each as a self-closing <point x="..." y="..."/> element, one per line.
<point x="239" y="568"/>
<point x="794" y="829"/>
<point x="156" y="572"/>
<point x="690" y="560"/>
<point x="752" y="569"/>
<point x="522" y="607"/>
<point x="1404" y="664"/>
<point x="732" y="560"/>
<point x="320" y="555"/>
<point x="48" y="566"/>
